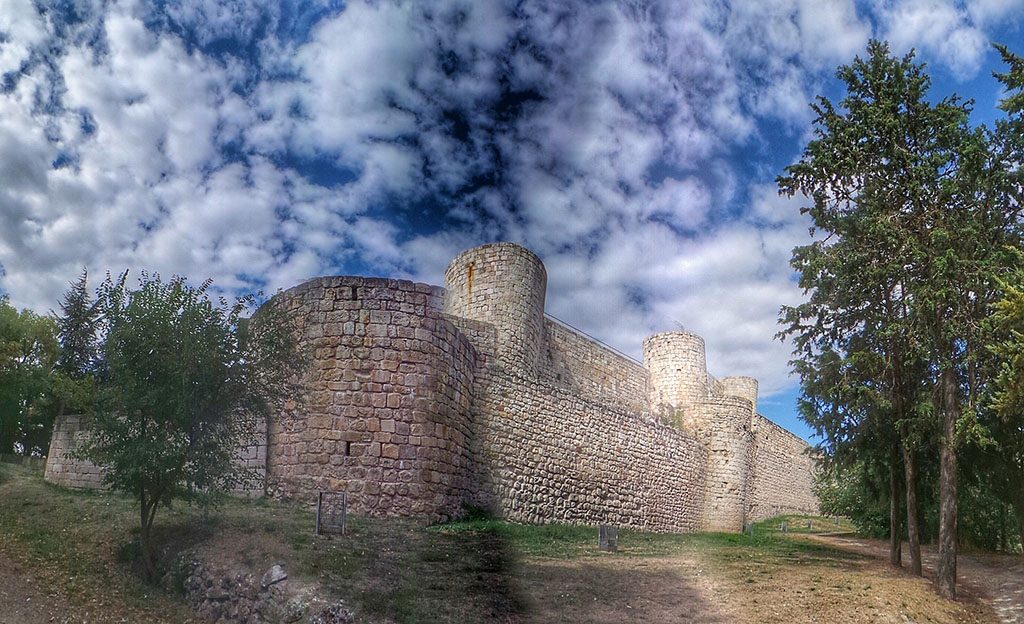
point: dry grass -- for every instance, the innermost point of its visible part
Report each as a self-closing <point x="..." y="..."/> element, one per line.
<point x="481" y="571"/>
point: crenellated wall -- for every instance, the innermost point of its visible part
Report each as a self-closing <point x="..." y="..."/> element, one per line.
<point x="420" y="401"/>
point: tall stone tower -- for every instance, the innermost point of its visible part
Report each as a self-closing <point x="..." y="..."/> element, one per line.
<point x="677" y="366"/>
<point x="503" y="284"/>
<point x="742" y="387"/>
<point x="718" y="413"/>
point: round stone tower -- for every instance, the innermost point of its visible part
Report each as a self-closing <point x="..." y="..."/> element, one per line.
<point x="723" y="424"/>
<point x="503" y="284"/>
<point x="677" y="368"/>
<point x="743" y="387"/>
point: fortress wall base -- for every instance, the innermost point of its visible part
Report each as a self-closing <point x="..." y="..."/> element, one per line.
<point x="251" y="462"/>
<point x="70" y="432"/>
<point x="723" y="424"/>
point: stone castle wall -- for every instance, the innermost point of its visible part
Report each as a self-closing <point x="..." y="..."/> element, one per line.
<point x="783" y="473"/>
<point x="723" y="424"/>
<point x="577" y="362"/>
<point x="421" y="400"/>
<point x="386" y="417"/>
<point x="552" y="455"/>
<point x="678" y="370"/>
<point x="62" y="467"/>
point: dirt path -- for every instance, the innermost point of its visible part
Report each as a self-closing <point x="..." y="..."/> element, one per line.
<point x="26" y="600"/>
<point x="997" y="579"/>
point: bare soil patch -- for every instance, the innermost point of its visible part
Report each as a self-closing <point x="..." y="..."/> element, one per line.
<point x="614" y="589"/>
<point x="26" y="600"/>
<point x="996" y="579"/>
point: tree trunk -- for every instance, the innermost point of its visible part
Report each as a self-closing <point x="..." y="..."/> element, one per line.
<point x="147" y="509"/>
<point x="895" y="529"/>
<point x="913" y="516"/>
<point x="949" y="396"/>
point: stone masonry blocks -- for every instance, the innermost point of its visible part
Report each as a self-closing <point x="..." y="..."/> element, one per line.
<point x="723" y="424"/>
<point x="743" y="387"/>
<point x="505" y="285"/>
<point x="386" y="416"/>
<point x="70" y="432"/>
<point x="678" y="369"/>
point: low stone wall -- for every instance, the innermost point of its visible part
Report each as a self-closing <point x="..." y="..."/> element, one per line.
<point x="225" y="596"/>
<point x="70" y="432"/>
<point x="550" y="455"/>
<point x="782" y="475"/>
<point x="582" y="365"/>
<point x="386" y="416"/>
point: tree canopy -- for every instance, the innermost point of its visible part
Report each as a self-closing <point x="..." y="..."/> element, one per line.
<point x="181" y="380"/>
<point x="28" y="354"/>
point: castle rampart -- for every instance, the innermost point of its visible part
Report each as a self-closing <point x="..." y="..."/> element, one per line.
<point x="421" y="400"/>
<point x="62" y="466"/>
<point x="386" y="417"/>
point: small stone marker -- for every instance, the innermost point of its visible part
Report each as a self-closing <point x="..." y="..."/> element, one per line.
<point x="810" y="524"/>
<point x="275" y="574"/>
<point x="608" y="538"/>
<point x="785" y="527"/>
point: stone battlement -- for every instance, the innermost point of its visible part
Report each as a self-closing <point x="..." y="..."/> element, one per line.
<point x="422" y="400"/>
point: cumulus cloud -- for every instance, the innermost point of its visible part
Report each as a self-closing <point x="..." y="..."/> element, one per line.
<point x="263" y="143"/>
<point x="953" y="32"/>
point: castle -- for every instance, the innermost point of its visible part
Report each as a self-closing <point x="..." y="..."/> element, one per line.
<point x="423" y="401"/>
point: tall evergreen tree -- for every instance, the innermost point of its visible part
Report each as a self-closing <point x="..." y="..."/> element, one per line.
<point x="864" y="175"/>
<point x="1002" y="412"/>
<point x="77" y="323"/>
<point x="917" y="222"/>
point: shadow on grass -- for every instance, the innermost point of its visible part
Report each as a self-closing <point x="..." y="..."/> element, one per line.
<point x="401" y="571"/>
<point x="609" y="590"/>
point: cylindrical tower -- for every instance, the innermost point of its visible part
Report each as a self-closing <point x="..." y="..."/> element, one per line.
<point x="743" y="387"/>
<point x="678" y="370"/>
<point x="723" y="424"/>
<point x="503" y="284"/>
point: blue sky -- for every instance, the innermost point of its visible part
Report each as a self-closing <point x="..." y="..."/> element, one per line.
<point x="632" y="145"/>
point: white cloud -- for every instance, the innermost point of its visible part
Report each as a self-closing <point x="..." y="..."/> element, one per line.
<point x="21" y="29"/>
<point x="615" y="139"/>
<point x="939" y="27"/>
